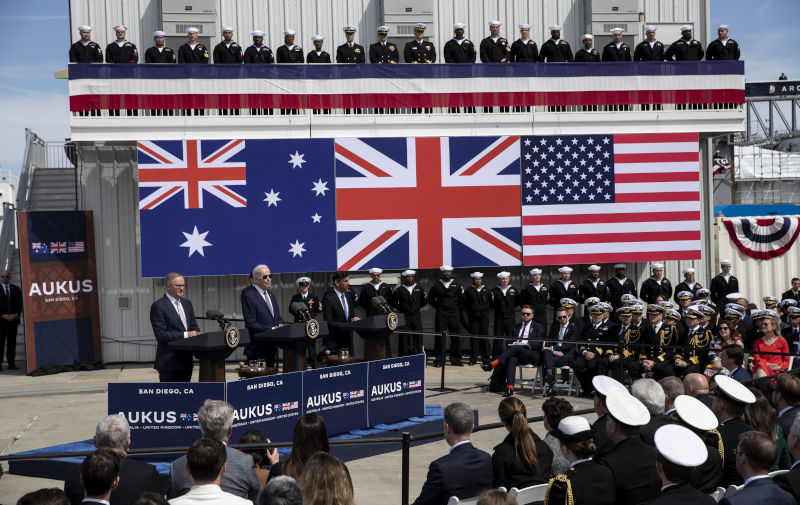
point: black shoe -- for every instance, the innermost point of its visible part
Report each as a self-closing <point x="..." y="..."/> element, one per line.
<point x="437" y="363"/>
<point x="473" y="361"/>
<point x="565" y="376"/>
<point x="13" y="367"/>
<point x="550" y="379"/>
<point x="508" y="392"/>
<point x="550" y="391"/>
<point x="486" y="367"/>
<point x="457" y="363"/>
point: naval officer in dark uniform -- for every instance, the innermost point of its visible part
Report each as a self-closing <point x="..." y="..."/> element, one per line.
<point x="587" y="54"/>
<point x="350" y="52"/>
<point x="317" y="55"/>
<point x="555" y="49"/>
<point x="159" y="53"/>
<point x="289" y="52"/>
<point x="191" y="51"/>
<point x="535" y="294"/>
<point x="649" y="49"/>
<point x="476" y="303"/>
<point x="723" y="48"/>
<point x="524" y="48"/>
<point x="444" y="296"/>
<point x="419" y="50"/>
<point x="383" y="51"/>
<point x="617" y="49"/>
<point x="459" y="49"/>
<point x="686" y="48"/>
<point x="228" y="51"/>
<point x="409" y="298"/>
<point x="121" y="50"/>
<point x="84" y="50"/>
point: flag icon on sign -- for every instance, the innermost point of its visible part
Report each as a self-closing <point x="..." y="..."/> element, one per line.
<point x="40" y="248"/>
<point x="58" y="247"/>
<point x="76" y="247"/>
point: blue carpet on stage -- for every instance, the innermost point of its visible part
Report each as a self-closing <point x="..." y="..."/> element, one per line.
<point x="430" y="423"/>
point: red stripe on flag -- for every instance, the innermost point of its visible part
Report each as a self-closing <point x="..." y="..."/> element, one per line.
<point x="649" y="138"/>
<point x="657" y="177"/>
<point x="686" y="196"/>
<point x="223" y="151"/>
<point x="161" y="198"/>
<point x="153" y="153"/>
<point x="622" y="217"/>
<point x="656" y="157"/>
<point x="368" y="250"/>
<point x="369" y="167"/>
<point x="562" y="259"/>
<point x="490" y="156"/>
<point x="231" y="194"/>
<point x="511" y="251"/>
<point x="595" y="238"/>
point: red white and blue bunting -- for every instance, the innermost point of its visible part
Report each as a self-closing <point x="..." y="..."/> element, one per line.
<point x="763" y="238"/>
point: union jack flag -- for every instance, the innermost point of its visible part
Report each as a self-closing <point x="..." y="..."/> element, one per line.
<point x="192" y="173"/>
<point x="58" y="247"/>
<point x="429" y="201"/>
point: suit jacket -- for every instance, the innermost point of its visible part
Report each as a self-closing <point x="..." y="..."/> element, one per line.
<point x="683" y="494"/>
<point x="570" y="333"/>
<point x="208" y="494"/>
<point x="535" y="332"/>
<point x="589" y="482"/>
<point x="790" y="482"/>
<point x="787" y="419"/>
<point x="257" y="316"/>
<point x="741" y="374"/>
<point x="759" y="491"/>
<point x="13" y="303"/>
<point x="333" y="313"/>
<point x="634" y="467"/>
<point x="510" y="471"/>
<point x="648" y="431"/>
<point x="465" y="472"/>
<point x="167" y="326"/>
<point x="601" y="440"/>
<point x="730" y="430"/>
<point x="135" y="477"/>
<point x="791" y="295"/>
<point x="239" y="478"/>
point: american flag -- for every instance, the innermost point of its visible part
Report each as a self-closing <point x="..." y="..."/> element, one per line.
<point x="424" y="202"/>
<point x="607" y="198"/>
<point x="190" y="172"/>
<point x="76" y="247"/>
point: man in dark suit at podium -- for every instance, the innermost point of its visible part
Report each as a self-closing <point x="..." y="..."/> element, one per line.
<point x="172" y="318"/>
<point x="261" y="312"/>
<point x="338" y="306"/>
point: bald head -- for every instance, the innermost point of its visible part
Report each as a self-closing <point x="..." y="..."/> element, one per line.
<point x="695" y="384"/>
<point x="5" y="276"/>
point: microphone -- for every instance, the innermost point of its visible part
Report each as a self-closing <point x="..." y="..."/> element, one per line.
<point x="301" y="309"/>
<point x="215" y="315"/>
<point x="380" y="302"/>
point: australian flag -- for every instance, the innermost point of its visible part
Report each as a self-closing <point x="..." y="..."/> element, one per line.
<point x="216" y="207"/>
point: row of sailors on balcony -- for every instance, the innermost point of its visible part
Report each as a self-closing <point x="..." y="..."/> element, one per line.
<point x="459" y="49"/>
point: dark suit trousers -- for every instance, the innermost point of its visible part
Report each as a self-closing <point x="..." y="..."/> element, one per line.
<point x="502" y="328"/>
<point x="479" y="325"/>
<point x="519" y="355"/>
<point x="631" y="364"/>
<point x="408" y="345"/>
<point x="452" y="325"/>
<point x="175" y="375"/>
<point x="587" y="369"/>
<point x="663" y="369"/>
<point x="8" y="338"/>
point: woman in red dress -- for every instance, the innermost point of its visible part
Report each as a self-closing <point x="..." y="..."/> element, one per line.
<point x="772" y="341"/>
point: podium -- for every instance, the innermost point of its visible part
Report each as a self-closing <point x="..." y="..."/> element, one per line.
<point x="375" y="331"/>
<point x="294" y="341"/>
<point x="211" y="349"/>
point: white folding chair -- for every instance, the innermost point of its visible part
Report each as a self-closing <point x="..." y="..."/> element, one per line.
<point x="529" y="494"/>
<point x="455" y="500"/>
<point x="570" y="386"/>
<point x="523" y="382"/>
<point x="733" y="488"/>
<point x="777" y="472"/>
<point x="718" y="494"/>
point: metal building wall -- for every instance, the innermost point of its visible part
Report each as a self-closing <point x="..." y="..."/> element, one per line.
<point x="697" y="12"/>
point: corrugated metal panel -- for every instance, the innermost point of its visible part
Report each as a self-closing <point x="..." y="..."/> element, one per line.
<point x="696" y="12"/>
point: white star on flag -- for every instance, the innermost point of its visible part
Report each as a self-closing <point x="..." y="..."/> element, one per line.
<point x="320" y="187"/>
<point x="296" y="159"/>
<point x="297" y="248"/>
<point x="272" y="197"/>
<point x="316" y="217"/>
<point x="195" y="242"/>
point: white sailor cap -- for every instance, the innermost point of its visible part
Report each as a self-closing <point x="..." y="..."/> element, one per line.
<point x="695" y="413"/>
<point x="626" y="409"/>
<point x="734" y="296"/>
<point x="503" y="275"/>
<point x="703" y="292"/>
<point x="408" y="272"/>
<point x="193" y="29"/>
<point x="770" y="313"/>
<point x="573" y="429"/>
<point x="494" y="22"/>
<point x="723" y="27"/>
<point x="524" y="26"/>
<point x="289" y="32"/>
<point x="476" y="274"/>
<point x="616" y="30"/>
<point x="459" y="26"/>
<point x="420" y="27"/>
<point x="653" y="266"/>
<point x="603" y="384"/>
<point x="685" y="295"/>
<point x="591" y="301"/>
<point x="793" y="311"/>
<point x="555" y="28"/>
<point x="687" y="271"/>
<point x="649" y="28"/>
<point x="446" y="268"/>
<point x="383" y="29"/>
<point x="593" y="268"/>
<point x="227" y="28"/>
<point x="620" y="265"/>
<point x="686" y="28"/>
<point x="725" y="262"/>
<point x="733" y="390"/>
<point x="536" y="271"/>
<point x="349" y="29"/>
<point x="159" y="33"/>
<point x="734" y="306"/>
<point x="680" y="446"/>
<point x="317" y="37"/>
<point x="588" y="36"/>
<point x="257" y="33"/>
<point x="303" y="279"/>
<point x="565" y="270"/>
<point x="568" y="303"/>
<point x="120" y="27"/>
<point x="627" y="296"/>
<point x="82" y="28"/>
<point x="375" y="270"/>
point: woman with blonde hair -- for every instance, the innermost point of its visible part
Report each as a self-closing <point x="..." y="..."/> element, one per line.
<point x="771" y="341"/>
<point x="522" y="459"/>
<point x="325" y="481"/>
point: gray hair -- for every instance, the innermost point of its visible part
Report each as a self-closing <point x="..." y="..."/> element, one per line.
<point x="171" y="277"/>
<point x="651" y="394"/>
<point x="113" y="432"/>
<point x="281" y="490"/>
<point x="459" y="417"/>
<point x="256" y="269"/>
<point x="215" y="418"/>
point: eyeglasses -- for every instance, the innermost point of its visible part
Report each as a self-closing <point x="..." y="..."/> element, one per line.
<point x="724" y="328"/>
<point x="765" y="323"/>
<point x="304" y="284"/>
<point x="267" y="276"/>
<point x="562" y="317"/>
<point x="529" y="314"/>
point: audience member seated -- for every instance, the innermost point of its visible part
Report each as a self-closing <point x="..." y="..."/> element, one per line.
<point x="100" y="475"/>
<point x="150" y="498"/>
<point x="730" y="399"/>
<point x="325" y="481"/>
<point x="135" y="476"/>
<point x="652" y="396"/>
<point x="495" y="497"/>
<point x="770" y="341"/>
<point x="673" y="388"/>
<point x="522" y="459"/>
<point x="755" y="453"/>
<point x="44" y="496"/>
<point x="310" y="436"/>
<point x="585" y="482"/>
<point x="761" y="416"/>
<point x="680" y="453"/>
<point x="465" y="472"/>
<point x="260" y="456"/>
<point x="282" y="490"/>
<point x="790" y="481"/>
<point x="554" y="410"/>
<point x="732" y="358"/>
<point x="785" y="397"/>
<point x="603" y="385"/>
<point x="696" y="385"/>
<point x="215" y="418"/>
<point x="206" y="464"/>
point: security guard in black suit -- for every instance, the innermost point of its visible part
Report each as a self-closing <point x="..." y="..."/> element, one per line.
<point x="794" y="292"/>
<point x="688" y="284"/>
<point x="504" y="301"/>
<point x="617" y="50"/>
<point x="383" y="51"/>
<point x="656" y="285"/>
<point x="556" y="49"/>
<point x="318" y="55"/>
<point x="592" y="360"/>
<point x="619" y="285"/>
<point x="536" y="294"/>
<point x="84" y="50"/>
<point x="289" y="52"/>
<point x="191" y="51"/>
<point x="121" y="51"/>
<point x="376" y="287"/>
<point x="159" y="53"/>
<point x="444" y="296"/>
<point x="258" y="52"/>
<point x="228" y="51"/>
<point x="494" y="48"/>
<point x="409" y="298"/>
<point x="649" y="49"/>
<point x="563" y="288"/>
<point x="459" y="49"/>
<point x="723" y="48"/>
<point x="723" y="284"/>
<point x="686" y="48"/>
<point x="593" y="286"/>
<point x="305" y="296"/>
<point x="350" y="52"/>
<point x="419" y="50"/>
<point x="587" y="54"/>
<point x="476" y="303"/>
<point x="524" y="48"/>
